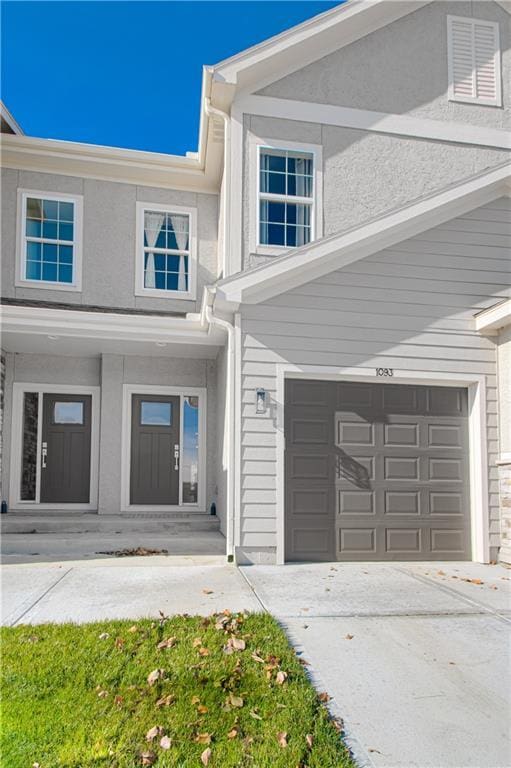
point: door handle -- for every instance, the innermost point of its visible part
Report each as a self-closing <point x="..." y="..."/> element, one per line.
<point x="44" y="454"/>
<point x="176" y="457"/>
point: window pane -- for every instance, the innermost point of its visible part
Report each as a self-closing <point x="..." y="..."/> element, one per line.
<point x="33" y="228"/>
<point x="66" y="211"/>
<point x="50" y="252"/>
<point x="29" y="449"/>
<point x="190" y="462"/>
<point x="68" y="413"/>
<point x="65" y="231"/>
<point x="49" y="272"/>
<point x="33" y="271"/>
<point x="34" y="208"/>
<point x="155" y="413"/>
<point x="274" y="183"/>
<point x="50" y="230"/>
<point x="65" y="254"/>
<point x="50" y="209"/>
<point x="273" y="161"/>
<point x="65" y="273"/>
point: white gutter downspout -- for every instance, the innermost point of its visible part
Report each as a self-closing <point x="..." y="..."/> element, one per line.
<point x="214" y="112"/>
<point x="230" y="418"/>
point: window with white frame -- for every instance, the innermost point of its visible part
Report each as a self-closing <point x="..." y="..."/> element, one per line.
<point x="165" y="251"/>
<point x="474" y="61"/>
<point x="286" y="197"/>
<point x="49" y="240"/>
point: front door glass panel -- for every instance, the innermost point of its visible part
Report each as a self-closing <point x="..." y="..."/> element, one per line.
<point x="28" y="483"/>
<point x="154" y="413"/>
<point x="190" y="467"/>
<point x="68" y="413"/>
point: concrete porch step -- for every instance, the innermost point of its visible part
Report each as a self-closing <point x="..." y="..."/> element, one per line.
<point x="171" y="523"/>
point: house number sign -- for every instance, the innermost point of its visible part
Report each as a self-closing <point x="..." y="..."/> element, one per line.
<point x="384" y="371"/>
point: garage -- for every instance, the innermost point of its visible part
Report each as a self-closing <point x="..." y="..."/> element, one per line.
<point x="376" y="472"/>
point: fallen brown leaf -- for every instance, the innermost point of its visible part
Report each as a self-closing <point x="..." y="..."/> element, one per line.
<point x="203" y="652"/>
<point x="168" y="643"/>
<point x="203" y="738"/>
<point x="238" y="644"/>
<point x="119" y="642"/>
<point x="197" y="642"/>
<point x="104" y="636"/>
<point x="282" y="738"/>
<point x="148" y="758"/>
<point x="166" y="701"/>
<point x="309" y="740"/>
<point x="232" y="733"/>
<point x="155" y="675"/>
<point x="153" y="732"/>
<point x="118" y="701"/>
<point x="235" y="701"/>
<point x="165" y="742"/>
<point x="257" y="658"/>
<point x="281" y="677"/>
<point x="324" y="697"/>
<point x="205" y="757"/>
<point x="254" y="714"/>
<point x="102" y="694"/>
<point x="133" y="628"/>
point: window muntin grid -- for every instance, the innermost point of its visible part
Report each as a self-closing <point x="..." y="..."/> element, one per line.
<point x="49" y="230"/>
<point x="166" y="251"/>
<point x="286" y="197"/>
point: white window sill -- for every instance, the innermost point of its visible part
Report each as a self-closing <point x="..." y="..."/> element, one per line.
<point x="158" y="293"/>
<point x="48" y="285"/>
<point x="272" y="250"/>
<point x="475" y="100"/>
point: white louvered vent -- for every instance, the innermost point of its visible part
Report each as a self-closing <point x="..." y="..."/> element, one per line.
<point x="474" y="60"/>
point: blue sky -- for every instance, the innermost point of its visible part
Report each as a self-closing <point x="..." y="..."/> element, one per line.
<point x="126" y="74"/>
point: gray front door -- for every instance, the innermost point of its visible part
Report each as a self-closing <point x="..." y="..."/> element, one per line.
<point x="155" y="450"/>
<point x="376" y="472"/>
<point x="65" y="449"/>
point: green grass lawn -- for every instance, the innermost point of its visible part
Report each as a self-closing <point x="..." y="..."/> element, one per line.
<point x="227" y="691"/>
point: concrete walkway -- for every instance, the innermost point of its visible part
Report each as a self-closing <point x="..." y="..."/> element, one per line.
<point x="416" y="658"/>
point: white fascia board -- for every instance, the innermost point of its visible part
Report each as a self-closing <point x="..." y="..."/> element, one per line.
<point x="324" y="256"/>
<point x="44" y="321"/>
<point x="378" y="122"/>
<point x="311" y="40"/>
<point x="498" y="316"/>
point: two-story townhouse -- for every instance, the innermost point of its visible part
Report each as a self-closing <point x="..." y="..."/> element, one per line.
<point x="304" y="323"/>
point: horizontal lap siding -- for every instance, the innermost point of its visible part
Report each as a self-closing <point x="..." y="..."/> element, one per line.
<point x="410" y="307"/>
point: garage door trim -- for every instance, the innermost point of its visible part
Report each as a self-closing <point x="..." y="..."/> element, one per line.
<point x="478" y="457"/>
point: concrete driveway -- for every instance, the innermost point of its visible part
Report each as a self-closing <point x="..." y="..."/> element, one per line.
<point x="415" y="657"/>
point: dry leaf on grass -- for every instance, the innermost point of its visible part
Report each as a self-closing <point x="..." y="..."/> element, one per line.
<point x="254" y="714"/>
<point x="104" y="636"/>
<point x="235" y="701"/>
<point x="282" y="738"/>
<point x="203" y="738"/>
<point x="309" y="740"/>
<point x="205" y="757"/>
<point x="257" y="658"/>
<point x="165" y="742"/>
<point x="324" y="697"/>
<point x="233" y="733"/>
<point x="148" y="758"/>
<point x="201" y="709"/>
<point x="168" y="643"/>
<point x="281" y="677"/>
<point x="118" y="701"/>
<point x="197" y="642"/>
<point x="203" y="652"/>
<point x="166" y="701"/>
<point x="102" y="694"/>
<point x="153" y="732"/>
<point x="133" y="628"/>
<point x="155" y="675"/>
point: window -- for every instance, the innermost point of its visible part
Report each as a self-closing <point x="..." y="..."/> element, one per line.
<point x="49" y="240"/>
<point x="155" y="414"/>
<point x="68" y="413"/>
<point x="474" y="61"/>
<point x="165" y="251"/>
<point x="286" y="197"/>
<point x="190" y="466"/>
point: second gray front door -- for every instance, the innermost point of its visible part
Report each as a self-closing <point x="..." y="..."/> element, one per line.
<point x="155" y="450"/>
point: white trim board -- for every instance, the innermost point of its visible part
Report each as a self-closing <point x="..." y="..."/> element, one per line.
<point x="18" y="390"/>
<point x="378" y="122"/>
<point x="490" y="320"/>
<point x="478" y="448"/>
<point x="146" y="389"/>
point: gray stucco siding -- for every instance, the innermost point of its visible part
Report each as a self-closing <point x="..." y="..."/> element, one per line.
<point x="364" y="174"/>
<point x="410" y="308"/>
<point x="109" y="240"/>
<point x="403" y="69"/>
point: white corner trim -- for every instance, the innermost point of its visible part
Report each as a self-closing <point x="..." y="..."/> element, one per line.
<point x="376" y="122"/>
<point x="255" y="145"/>
<point x="147" y="389"/>
<point x="330" y="253"/>
<point x="140" y="290"/>
<point x="478" y="459"/>
<point x="20" y="280"/>
<point x="494" y="318"/>
<point x="18" y="390"/>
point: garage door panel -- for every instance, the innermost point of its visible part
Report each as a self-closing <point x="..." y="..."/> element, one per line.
<point x="396" y="485"/>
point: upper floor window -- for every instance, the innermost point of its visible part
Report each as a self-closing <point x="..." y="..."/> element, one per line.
<point x="166" y="245"/>
<point x="49" y="240"/>
<point x="286" y="197"/>
<point x="474" y="61"/>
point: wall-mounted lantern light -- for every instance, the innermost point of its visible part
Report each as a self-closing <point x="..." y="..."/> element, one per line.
<point x="260" y="400"/>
